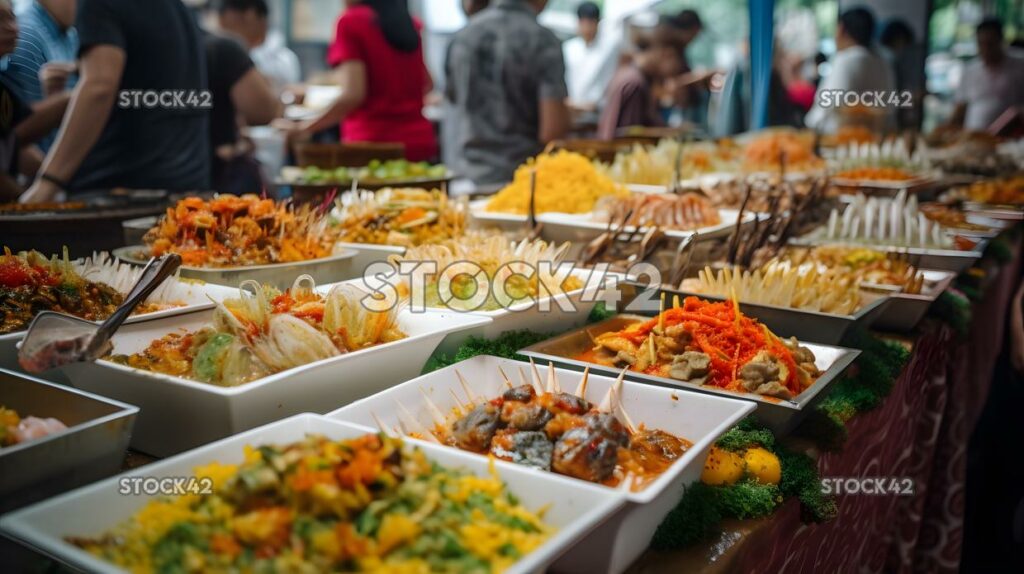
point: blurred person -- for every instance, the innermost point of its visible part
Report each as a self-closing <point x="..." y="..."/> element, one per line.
<point x="240" y="94"/>
<point x="906" y="59"/>
<point x="109" y="138"/>
<point x="506" y="81"/>
<point x="688" y="86"/>
<point x="471" y="7"/>
<point x="590" y="60"/>
<point x="378" y="56"/>
<point x="249" y="20"/>
<point x="631" y="100"/>
<point x="856" y="68"/>
<point x="991" y="84"/>
<point x="43" y="63"/>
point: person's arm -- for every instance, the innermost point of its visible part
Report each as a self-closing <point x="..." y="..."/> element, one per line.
<point x="254" y="99"/>
<point x="30" y="159"/>
<point x="351" y="75"/>
<point x="956" y="121"/>
<point x="46" y="117"/>
<point x="554" y="117"/>
<point x="554" y="120"/>
<point x="90" y="107"/>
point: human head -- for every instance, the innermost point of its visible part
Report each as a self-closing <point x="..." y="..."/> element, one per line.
<point x="655" y="50"/>
<point x="856" y="28"/>
<point x="688" y="26"/>
<point x="8" y="28"/>
<point x="471" y="7"/>
<point x="245" y="18"/>
<point x="589" y="16"/>
<point x="989" y="36"/>
<point x="396" y="23"/>
<point x="896" y="35"/>
<point x="63" y="11"/>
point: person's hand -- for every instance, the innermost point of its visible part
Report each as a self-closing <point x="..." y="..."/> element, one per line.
<point x="295" y="132"/>
<point x="54" y="76"/>
<point x="41" y="191"/>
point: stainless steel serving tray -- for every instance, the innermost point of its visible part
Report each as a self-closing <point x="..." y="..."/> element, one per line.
<point x="954" y="260"/>
<point x="905" y="311"/>
<point x="805" y="325"/>
<point x="778" y="414"/>
<point x="91" y="448"/>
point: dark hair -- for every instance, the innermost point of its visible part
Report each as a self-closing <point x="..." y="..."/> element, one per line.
<point x="396" y="24"/>
<point x="859" y="24"/>
<point x="260" y="6"/>
<point x="991" y="24"/>
<point x="687" y="20"/>
<point x="588" y="11"/>
<point x="894" y="30"/>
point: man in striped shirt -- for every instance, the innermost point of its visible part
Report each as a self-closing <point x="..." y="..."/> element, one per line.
<point x="47" y="47"/>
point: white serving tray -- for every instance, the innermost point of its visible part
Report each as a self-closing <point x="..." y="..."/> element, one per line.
<point x="178" y="413"/>
<point x="573" y="509"/>
<point x="336" y="267"/>
<point x="198" y="298"/>
<point x="367" y="254"/>
<point x="700" y="419"/>
<point x="582" y="228"/>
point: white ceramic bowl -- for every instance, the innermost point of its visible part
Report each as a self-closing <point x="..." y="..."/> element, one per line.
<point x="178" y="413"/>
<point x="573" y="509"/>
<point x="698" y="418"/>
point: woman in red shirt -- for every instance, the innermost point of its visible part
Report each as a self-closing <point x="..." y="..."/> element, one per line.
<point x="378" y="58"/>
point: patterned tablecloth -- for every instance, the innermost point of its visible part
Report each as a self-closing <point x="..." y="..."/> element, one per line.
<point x="920" y="433"/>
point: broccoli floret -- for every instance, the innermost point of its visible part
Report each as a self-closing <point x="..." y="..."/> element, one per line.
<point x="746" y="434"/>
<point x="800" y="479"/>
<point x="748" y="499"/>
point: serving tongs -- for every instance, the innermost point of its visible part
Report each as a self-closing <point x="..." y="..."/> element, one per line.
<point x="54" y="339"/>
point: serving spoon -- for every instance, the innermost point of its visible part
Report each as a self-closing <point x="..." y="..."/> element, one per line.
<point x="54" y="339"/>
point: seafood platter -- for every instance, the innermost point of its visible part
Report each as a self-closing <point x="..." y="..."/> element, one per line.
<point x="649" y="446"/>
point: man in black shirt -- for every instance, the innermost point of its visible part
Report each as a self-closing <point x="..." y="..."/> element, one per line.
<point x="239" y="92"/>
<point x="139" y="114"/>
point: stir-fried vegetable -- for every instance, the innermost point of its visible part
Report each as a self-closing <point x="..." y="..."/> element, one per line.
<point x="357" y="505"/>
<point x="264" y="332"/>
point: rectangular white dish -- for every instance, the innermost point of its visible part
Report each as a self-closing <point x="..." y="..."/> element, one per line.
<point x="778" y="414"/>
<point x="198" y="298"/>
<point x="954" y="260"/>
<point x="336" y="267"/>
<point x="581" y="228"/>
<point x="573" y="509"/>
<point x="178" y="413"/>
<point x="700" y="419"/>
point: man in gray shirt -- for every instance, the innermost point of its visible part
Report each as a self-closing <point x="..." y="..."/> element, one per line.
<point x="506" y="81"/>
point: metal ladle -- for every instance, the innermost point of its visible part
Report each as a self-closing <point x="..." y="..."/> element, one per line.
<point x="55" y="339"/>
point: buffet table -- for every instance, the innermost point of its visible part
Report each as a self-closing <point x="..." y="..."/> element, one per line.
<point x="921" y="432"/>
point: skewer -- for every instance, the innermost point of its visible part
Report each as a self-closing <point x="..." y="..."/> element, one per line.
<point x="458" y="401"/>
<point x="581" y="389"/>
<point x="504" y="377"/>
<point x="412" y="425"/>
<point x="606" y="404"/>
<point x="380" y="425"/>
<point x="539" y="381"/>
<point x="553" y="386"/>
<point x="465" y="387"/>
<point x="435" y="412"/>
